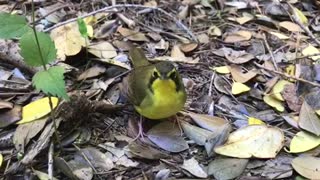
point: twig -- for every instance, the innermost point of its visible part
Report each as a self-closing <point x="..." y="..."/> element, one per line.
<point x="52" y="11"/>
<point x="50" y="161"/>
<point x="288" y="76"/>
<point x="305" y="29"/>
<point x="270" y="51"/>
<point x="112" y="9"/>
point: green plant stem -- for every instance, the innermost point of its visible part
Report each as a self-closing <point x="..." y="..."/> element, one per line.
<point x="45" y="68"/>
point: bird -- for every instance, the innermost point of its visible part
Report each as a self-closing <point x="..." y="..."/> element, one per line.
<point x="155" y="90"/>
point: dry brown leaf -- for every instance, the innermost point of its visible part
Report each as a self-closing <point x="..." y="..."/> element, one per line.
<point x="307" y="166"/>
<point x="290" y="26"/>
<point x="67" y="40"/>
<point x="5" y="105"/>
<point x="308" y="120"/>
<point x="238" y="37"/>
<point x="239" y="76"/>
<point x="103" y="50"/>
<point x="259" y="141"/>
<point x="92" y="72"/>
<point x="132" y="35"/>
<point x="188" y="47"/>
<point x="236" y="57"/>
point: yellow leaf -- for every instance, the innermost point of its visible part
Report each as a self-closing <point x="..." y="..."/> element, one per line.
<point x="258" y="141"/>
<point x="318" y="112"/>
<point x="303" y="141"/>
<point x="1" y="160"/>
<point x="238" y="88"/>
<point x="300" y="16"/>
<point x="90" y="30"/>
<point x="310" y="50"/>
<point x="278" y="88"/>
<point x="222" y="69"/>
<point x="254" y="121"/>
<point x="291" y="70"/>
<point x="67" y="40"/>
<point x="279" y="35"/>
<point x="37" y="109"/>
<point x="273" y="103"/>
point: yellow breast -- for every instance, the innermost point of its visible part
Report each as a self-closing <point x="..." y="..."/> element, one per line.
<point x="164" y="102"/>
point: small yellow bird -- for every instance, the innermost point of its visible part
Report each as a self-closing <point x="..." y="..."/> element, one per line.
<point x="155" y="90"/>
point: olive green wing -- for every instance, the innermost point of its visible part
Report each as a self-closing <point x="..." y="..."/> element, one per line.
<point x="138" y="84"/>
<point x="138" y="58"/>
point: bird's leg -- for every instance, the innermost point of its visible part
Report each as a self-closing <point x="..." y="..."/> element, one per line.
<point x="176" y="120"/>
<point x="140" y="126"/>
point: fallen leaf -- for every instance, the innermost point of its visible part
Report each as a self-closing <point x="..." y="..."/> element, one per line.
<point x="192" y="166"/>
<point x="97" y="159"/>
<point x="290" y="26"/>
<point x="132" y="35"/>
<point x="25" y="132"/>
<point x="278" y="88"/>
<point x="238" y="36"/>
<point x="308" y="120"/>
<point x="236" y="57"/>
<point x="37" y="109"/>
<point x="67" y="40"/>
<point x="42" y="175"/>
<point x="214" y="31"/>
<point x="103" y="50"/>
<point x="1" y="160"/>
<point x="93" y="71"/>
<point x="166" y="135"/>
<point x="5" y="105"/>
<point x="279" y="35"/>
<point x="258" y="141"/>
<point x="255" y="121"/>
<point x="300" y="16"/>
<point x="309" y="51"/>
<point x="186" y="48"/>
<point x="268" y="99"/>
<point x="307" y="166"/>
<point x="227" y="168"/>
<point x="238" y="88"/>
<point x="145" y="152"/>
<point x="239" y="76"/>
<point x="303" y="141"/>
<point x="222" y="69"/>
<point x="11" y="116"/>
<point x="221" y="84"/>
<point x="290" y="95"/>
<point x="212" y="123"/>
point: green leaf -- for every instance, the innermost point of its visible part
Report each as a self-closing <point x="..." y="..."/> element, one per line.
<point x="82" y="28"/>
<point x="30" y="51"/>
<point x="12" y="26"/>
<point x="51" y="82"/>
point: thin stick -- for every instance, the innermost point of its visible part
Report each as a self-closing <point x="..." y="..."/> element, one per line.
<point x="288" y="76"/>
<point x="50" y="161"/>
<point x="113" y="9"/>
<point x="270" y="51"/>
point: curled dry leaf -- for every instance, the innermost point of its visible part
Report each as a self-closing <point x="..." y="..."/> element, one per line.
<point x="145" y="151"/>
<point x="192" y="166"/>
<point x="92" y="72"/>
<point x="308" y="120"/>
<point x="303" y="141"/>
<point x="307" y="166"/>
<point x="5" y="104"/>
<point x="259" y="141"/>
<point x="221" y="84"/>
<point x="211" y="123"/>
<point x="280" y="35"/>
<point x="186" y="48"/>
<point x="67" y="40"/>
<point x="309" y="51"/>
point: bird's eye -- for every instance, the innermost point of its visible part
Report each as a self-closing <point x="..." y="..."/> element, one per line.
<point x="173" y="75"/>
<point x="155" y="74"/>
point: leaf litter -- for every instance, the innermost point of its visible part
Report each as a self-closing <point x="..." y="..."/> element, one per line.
<point x="251" y="81"/>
